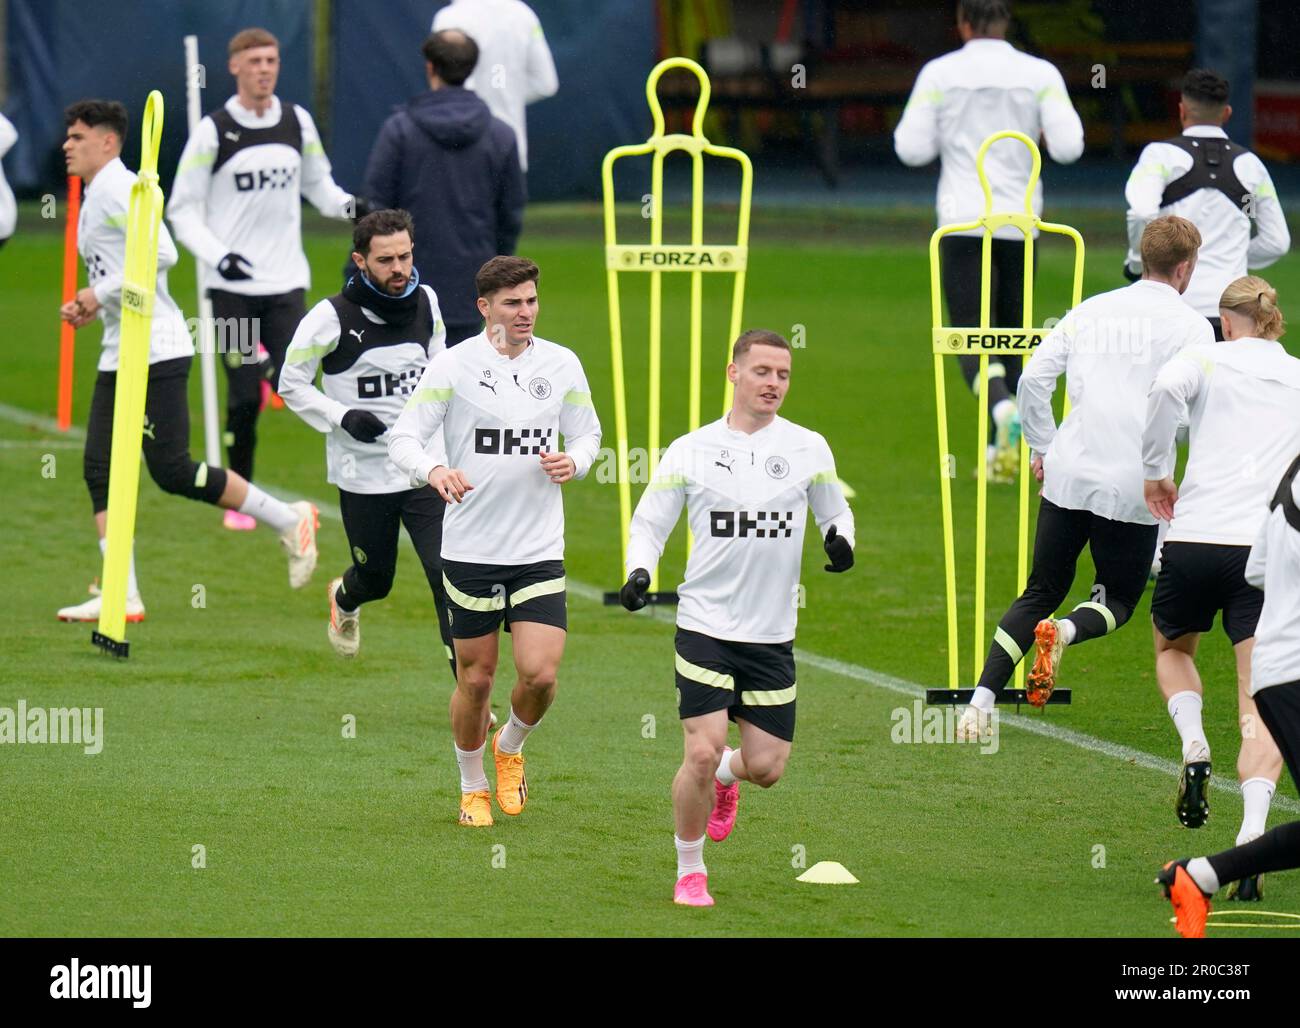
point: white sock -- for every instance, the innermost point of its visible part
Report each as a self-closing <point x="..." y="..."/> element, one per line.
<point x="472" y="778"/>
<point x="1068" y="630"/>
<point x="1185" y="708"/>
<point x="1203" y="874"/>
<point x="1004" y="411"/>
<point x="690" y="857"/>
<point x="724" y="773"/>
<point x="132" y="586"/>
<point x="514" y="734"/>
<point x="983" y="698"/>
<point x="1256" y="795"/>
<point x="267" y="509"/>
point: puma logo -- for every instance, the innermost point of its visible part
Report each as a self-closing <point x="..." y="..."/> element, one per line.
<point x="492" y="386"/>
<point x="354" y="332"/>
<point x="233" y="136"/>
<point x="719" y="463"/>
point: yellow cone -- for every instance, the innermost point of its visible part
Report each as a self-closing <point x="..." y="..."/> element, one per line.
<point x="828" y="872"/>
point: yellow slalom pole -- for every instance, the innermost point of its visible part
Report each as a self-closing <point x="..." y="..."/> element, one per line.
<point x="657" y="258"/>
<point x="985" y="341"/>
<point x="141" y="274"/>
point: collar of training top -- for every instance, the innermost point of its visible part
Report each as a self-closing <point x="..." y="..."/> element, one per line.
<point x="395" y="310"/>
<point x="1212" y="131"/>
<point x="497" y="355"/>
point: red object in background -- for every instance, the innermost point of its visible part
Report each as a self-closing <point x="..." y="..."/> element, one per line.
<point x="1277" y="119"/>
<point x="67" y="342"/>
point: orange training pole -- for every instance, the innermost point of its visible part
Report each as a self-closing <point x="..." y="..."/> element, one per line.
<point x="66" y="351"/>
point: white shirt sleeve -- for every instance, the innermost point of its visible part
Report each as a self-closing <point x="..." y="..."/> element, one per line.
<point x="540" y="80"/>
<point x="316" y="336"/>
<point x="318" y="183"/>
<point x="1272" y="238"/>
<point x="1145" y="186"/>
<point x="1062" y="129"/>
<point x="8" y="135"/>
<point x="1175" y="386"/>
<point x="187" y="207"/>
<point x="1258" y="558"/>
<point x="826" y="497"/>
<point x="419" y="422"/>
<point x="579" y="424"/>
<point x="657" y="512"/>
<point x="916" y="139"/>
<point x="1038" y="383"/>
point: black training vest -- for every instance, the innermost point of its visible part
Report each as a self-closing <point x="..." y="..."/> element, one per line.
<point x="1284" y="496"/>
<point x="1212" y="160"/>
<point x="357" y="333"/>
<point x="233" y="137"/>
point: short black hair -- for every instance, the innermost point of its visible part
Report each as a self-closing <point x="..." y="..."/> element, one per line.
<point x="381" y="223"/>
<point x="108" y="113"/>
<point x="453" y="55"/>
<point x="982" y="15"/>
<point x="1205" y="88"/>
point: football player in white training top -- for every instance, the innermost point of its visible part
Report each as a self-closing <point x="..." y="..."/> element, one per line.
<point x="502" y="399"/>
<point x="747" y="480"/>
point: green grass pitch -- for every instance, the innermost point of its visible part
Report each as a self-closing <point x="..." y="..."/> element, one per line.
<point x="225" y="727"/>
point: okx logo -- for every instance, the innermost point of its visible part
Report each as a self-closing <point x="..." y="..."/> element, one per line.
<point x="741" y="524"/>
<point x="505" y="441"/>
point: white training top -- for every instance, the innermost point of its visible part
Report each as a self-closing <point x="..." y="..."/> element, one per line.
<point x="498" y="416"/>
<point x="1109" y="348"/>
<point x="378" y="379"/>
<point x="252" y="204"/>
<point x="8" y="205"/>
<point x="515" y="67"/>
<point x="747" y="497"/>
<point x="1227" y="246"/>
<point x="1274" y="566"/>
<point x="101" y="241"/>
<point x="1242" y="401"/>
<point x="962" y="98"/>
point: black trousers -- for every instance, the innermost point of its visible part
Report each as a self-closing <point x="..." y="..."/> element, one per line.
<point x="248" y="320"/>
<point x="371" y="521"/>
<point x="1278" y="849"/>
<point x="166" y="439"/>
<point x="960" y="262"/>
<point x="1122" y="552"/>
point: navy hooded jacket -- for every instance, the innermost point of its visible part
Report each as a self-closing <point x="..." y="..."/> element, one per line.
<point x="444" y="158"/>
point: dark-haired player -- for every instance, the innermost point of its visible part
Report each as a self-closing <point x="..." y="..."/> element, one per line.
<point x="747" y="481"/>
<point x="371" y="343"/>
<point x="96" y="131"/>
<point x="502" y="400"/>
<point x="1218" y="185"/>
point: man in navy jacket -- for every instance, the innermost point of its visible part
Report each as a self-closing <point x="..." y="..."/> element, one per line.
<point x="444" y="158"/>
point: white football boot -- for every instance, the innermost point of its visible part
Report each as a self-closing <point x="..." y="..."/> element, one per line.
<point x="344" y="628"/>
<point x="973" y="726"/>
<point x="89" y="611"/>
<point x="299" y="543"/>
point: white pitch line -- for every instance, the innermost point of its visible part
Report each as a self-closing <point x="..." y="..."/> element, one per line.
<point x="594" y="594"/>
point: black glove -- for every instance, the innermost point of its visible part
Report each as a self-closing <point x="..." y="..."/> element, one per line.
<point x="234" y="268"/>
<point x="361" y="207"/>
<point x="632" y="595"/>
<point x="839" y="551"/>
<point x="363" y="426"/>
<point x="1131" y="275"/>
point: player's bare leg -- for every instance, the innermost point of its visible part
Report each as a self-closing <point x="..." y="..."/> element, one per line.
<point x="538" y="651"/>
<point x="1259" y="765"/>
<point x="476" y="666"/>
<point x="760" y="759"/>
<point x="1180" y="685"/>
<point x="693" y="795"/>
